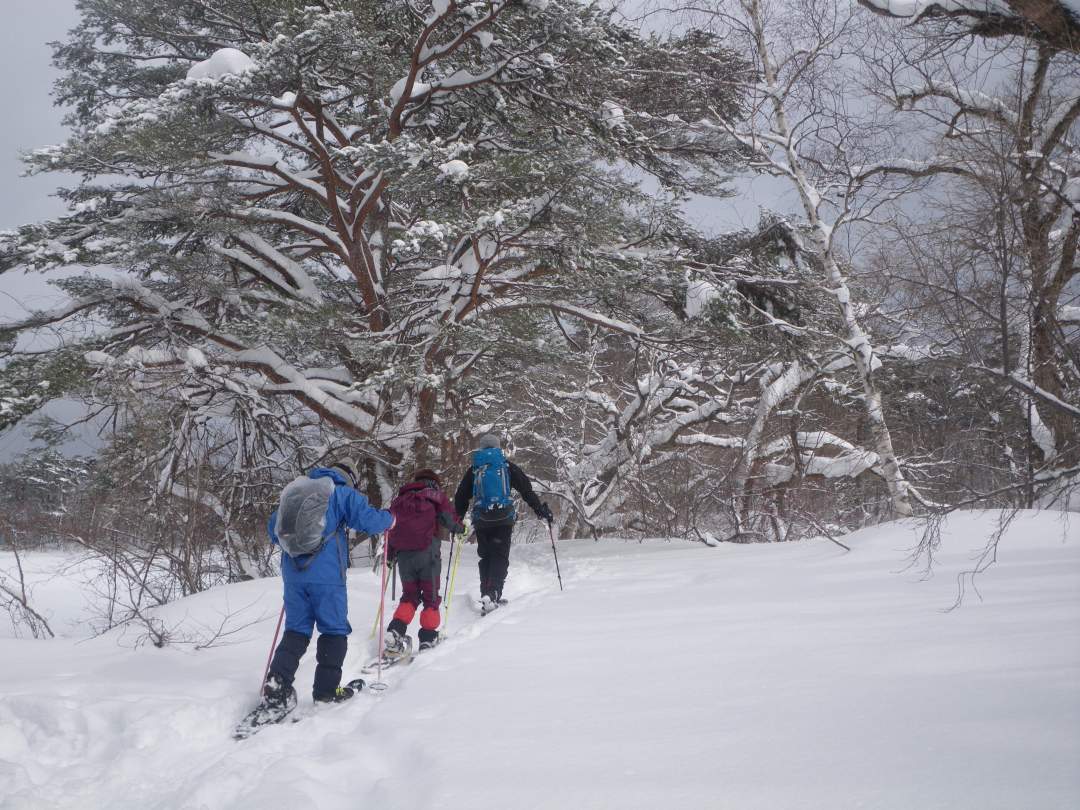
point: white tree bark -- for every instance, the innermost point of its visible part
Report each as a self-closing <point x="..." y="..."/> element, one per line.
<point x="781" y="135"/>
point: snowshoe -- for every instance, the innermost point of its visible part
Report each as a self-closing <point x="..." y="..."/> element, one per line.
<point x="277" y="703"/>
<point x="428" y="643"/>
<point x="385" y="663"/>
<point x="487" y="605"/>
<point x="398" y="650"/>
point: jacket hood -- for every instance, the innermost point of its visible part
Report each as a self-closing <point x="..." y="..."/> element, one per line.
<point x="337" y="476"/>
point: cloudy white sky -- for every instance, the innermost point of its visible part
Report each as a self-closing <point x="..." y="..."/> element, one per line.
<point x="31" y="120"/>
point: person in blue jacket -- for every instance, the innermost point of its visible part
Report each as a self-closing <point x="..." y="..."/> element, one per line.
<point x="315" y="594"/>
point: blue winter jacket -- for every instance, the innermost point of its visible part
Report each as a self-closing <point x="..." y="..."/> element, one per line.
<point x="348" y="509"/>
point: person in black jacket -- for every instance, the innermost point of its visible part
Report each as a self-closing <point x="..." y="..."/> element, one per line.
<point x="487" y="483"/>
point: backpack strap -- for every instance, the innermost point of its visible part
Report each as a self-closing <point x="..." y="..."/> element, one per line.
<point x="477" y="478"/>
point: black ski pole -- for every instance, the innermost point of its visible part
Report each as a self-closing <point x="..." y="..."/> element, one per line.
<point x="551" y="534"/>
<point x="449" y="564"/>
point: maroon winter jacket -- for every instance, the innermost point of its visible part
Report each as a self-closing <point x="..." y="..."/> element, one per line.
<point x="419" y="507"/>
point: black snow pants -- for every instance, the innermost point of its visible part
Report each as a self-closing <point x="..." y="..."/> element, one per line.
<point x="329" y="656"/>
<point x="493" y="548"/>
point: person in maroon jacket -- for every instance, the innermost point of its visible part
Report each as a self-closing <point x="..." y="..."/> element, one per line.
<point x="419" y="509"/>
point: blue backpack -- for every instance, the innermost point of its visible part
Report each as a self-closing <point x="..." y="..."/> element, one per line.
<point x="492" y="503"/>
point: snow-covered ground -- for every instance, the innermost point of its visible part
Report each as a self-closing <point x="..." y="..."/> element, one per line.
<point x="666" y="675"/>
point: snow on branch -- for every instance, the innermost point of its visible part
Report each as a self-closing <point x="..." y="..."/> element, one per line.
<point x="409" y="91"/>
<point x="850" y="462"/>
<point x="1055" y="22"/>
<point x="909" y="168"/>
<point x="707" y="440"/>
<point x="1028" y="387"/>
<point x="972" y="102"/>
<point x="52" y="316"/>
<point x="289" y="220"/>
<point x="223" y="62"/>
<point x="565" y="307"/>
<point x="273" y="265"/>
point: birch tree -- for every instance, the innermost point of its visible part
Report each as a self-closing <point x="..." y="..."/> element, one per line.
<point x="806" y="126"/>
<point x="1000" y="112"/>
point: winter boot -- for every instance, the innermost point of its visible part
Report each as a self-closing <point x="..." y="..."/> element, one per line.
<point x="278" y="695"/>
<point x="487" y="604"/>
<point x="341" y="693"/>
<point x="397" y="644"/>
<point x="428" y="639"/>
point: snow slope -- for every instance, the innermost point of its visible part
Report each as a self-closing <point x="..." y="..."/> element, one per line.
<point x="666" y="675"/>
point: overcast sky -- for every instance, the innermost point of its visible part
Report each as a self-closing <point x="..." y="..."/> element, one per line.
<point x="31" y="120"/>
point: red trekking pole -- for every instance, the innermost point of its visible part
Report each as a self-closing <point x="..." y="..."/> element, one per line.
<point x="273" y="647"/>
<point x="378" y="685"/>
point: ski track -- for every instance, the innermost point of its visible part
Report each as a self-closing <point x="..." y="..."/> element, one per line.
<point x="742" y="677"/>
<point x="104" y="747"/>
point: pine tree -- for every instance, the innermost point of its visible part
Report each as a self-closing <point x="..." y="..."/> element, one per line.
<point x="326" y="217"/>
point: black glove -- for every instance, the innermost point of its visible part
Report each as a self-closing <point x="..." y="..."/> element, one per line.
<point x="544" y="513"/>
<point x="452" y="524"/>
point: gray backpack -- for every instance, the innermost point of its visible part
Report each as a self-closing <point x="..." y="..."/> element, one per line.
<point x="301" y="516"/>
